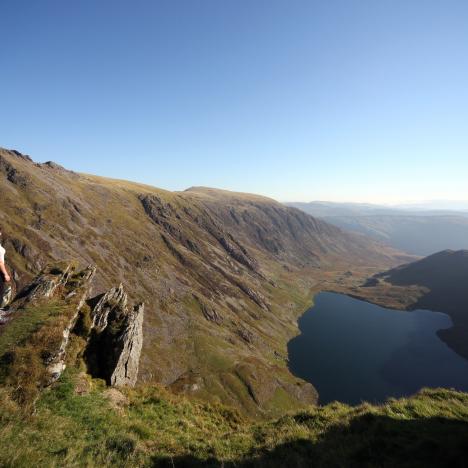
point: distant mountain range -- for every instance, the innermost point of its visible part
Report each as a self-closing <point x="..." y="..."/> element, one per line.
<point x="450" y="205"/>
<point x="410" y="228"/>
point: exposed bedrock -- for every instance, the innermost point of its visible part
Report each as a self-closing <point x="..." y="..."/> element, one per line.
<point x="116" y="339"/>
<point x="109" y="332"/>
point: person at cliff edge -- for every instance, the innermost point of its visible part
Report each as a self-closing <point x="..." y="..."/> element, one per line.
<point x="5" y="280"/>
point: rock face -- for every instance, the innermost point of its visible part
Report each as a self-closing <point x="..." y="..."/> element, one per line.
<point x="56" y="362"/>
<point x="45" y="284"/>
<point x="109" y="332"/>
<point x="116" y="339"/>
<point x="5" y="296"/>
<point x="209" y="312"/>
<point x="12" y="174"/>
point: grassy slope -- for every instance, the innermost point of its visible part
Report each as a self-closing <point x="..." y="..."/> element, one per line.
<point x="155" y="428"/>
<point x="51" y="214"/>
<point x="78" y="421"/>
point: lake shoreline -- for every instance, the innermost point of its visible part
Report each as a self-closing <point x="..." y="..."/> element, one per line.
<point x="372" y="353"/>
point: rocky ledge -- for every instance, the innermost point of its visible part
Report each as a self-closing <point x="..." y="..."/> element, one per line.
<point x="55" y="320"/>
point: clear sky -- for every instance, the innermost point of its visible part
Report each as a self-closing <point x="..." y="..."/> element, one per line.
<point x="363" y="100"/>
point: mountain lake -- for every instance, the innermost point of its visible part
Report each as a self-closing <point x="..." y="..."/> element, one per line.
<point x="353" y="351"/>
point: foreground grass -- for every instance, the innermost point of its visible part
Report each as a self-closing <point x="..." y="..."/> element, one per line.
<point x="150" y="427"/>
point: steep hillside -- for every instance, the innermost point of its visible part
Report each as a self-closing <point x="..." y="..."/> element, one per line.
<point x="223" y="275"/>
<point x="437" y="282"/>
<point x="58" y="410"/>
<point x="415" y="232"/>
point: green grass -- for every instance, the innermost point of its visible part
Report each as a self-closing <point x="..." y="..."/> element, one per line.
<point x="31" y="337"/>
<point x="25" y="324"/>
<point x="157" y="428"/>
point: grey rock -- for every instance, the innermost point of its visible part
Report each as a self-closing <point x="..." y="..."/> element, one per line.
<point x="116" y="339"/>
<point x="246" y="335"/>
<point x="208" y="311"/>
<point x="114" y="301"/>
<point x="45" y="284"/>
<point x="130" y="343"/>
<point x="167" y="217"/>
<point x="232" y="247"/>
<point x="255" y="296"/>
<point x="43" y="288"/>
<point x="56" y="362"/>
<point x="53" y="165"/>
<point x="12" y="174"/>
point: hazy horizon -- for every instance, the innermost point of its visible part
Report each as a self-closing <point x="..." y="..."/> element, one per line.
<point x="410" y="204"/>
<point x="299" y="101"/>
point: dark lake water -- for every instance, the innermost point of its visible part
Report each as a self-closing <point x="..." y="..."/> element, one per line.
<point x="353" y="351"/>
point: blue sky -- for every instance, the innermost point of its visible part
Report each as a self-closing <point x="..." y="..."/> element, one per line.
<point x="297" y="99"/>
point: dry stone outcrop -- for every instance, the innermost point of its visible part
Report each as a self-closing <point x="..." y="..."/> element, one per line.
<point x="116" y="338"/>
<point x="113" y="335"/>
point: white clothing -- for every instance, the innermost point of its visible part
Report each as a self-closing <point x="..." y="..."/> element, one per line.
<point x="2" y="254"/>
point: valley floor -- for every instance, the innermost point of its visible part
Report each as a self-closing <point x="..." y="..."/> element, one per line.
<point x="80" y="422"/>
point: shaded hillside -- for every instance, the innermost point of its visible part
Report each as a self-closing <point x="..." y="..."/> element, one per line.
<point x="444" y="274"/>
<point x="445" y="277"/>
<point x="437" y="282"/>
<point x="415" y="232"/>
<point x="223" y="275"/>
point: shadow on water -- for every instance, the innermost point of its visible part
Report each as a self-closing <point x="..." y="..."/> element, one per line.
<point x="444" y="276"/>
<point x="368" y="441"/>
<point x="354" y="351"/>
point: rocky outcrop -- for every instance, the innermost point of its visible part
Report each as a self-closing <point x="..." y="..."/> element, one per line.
<point x="6" y="293"/>
<point x="128" y="344"/>
<point x="230" y="245"/>
<point x="104" y="330"/>
<point x="245" y="334"/>
<point x="174" y="251"/>
<point x="208" y="311"/>
<point x="12" y="174"/>
<point x="37" y="328"/>
<point x="255" y="296"/>
<point x="56" y="362"/>
<point x="116" y="339"/>
<point x="45" y="284"/>
<point x="165" y="215"/>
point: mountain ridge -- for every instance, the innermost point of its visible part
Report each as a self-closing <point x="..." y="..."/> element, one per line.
<point x="417" y="232"/>
<point x="223" y="276"/>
